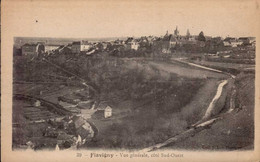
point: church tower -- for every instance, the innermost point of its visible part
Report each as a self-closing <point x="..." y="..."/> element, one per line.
<point x="176" y="31"/>
<point x="166" y="33"/>
<point x="188" y="34"/>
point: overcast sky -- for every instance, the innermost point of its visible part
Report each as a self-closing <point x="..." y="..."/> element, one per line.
<point x="131" y="18"/>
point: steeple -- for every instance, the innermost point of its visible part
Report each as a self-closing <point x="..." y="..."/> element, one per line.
<point x="188" y="33"/>
<point x="166" y="33"/>
<point x="176" y="32"/>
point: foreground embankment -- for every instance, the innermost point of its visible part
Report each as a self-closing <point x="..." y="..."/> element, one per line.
<point x="238" y="100"/>
<point x="235" y="130"/>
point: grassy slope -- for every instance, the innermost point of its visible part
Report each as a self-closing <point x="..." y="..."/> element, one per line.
<point x="146" y="124"/>
<point x="197" y="107"/>
<point x="230" y="133"/>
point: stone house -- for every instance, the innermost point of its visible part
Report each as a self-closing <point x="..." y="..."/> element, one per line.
<point x="80" y="46"/>
<point x="33" y="49"/>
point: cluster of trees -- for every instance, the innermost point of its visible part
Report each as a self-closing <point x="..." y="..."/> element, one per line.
<point x="118" y="80"/>
<point x="151" y="94"/>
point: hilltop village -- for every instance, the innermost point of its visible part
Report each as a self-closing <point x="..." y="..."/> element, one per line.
<point x="149" y="46"/>
<point x="129" y="93"/>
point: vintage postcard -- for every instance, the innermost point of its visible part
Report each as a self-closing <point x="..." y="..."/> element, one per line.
<point x="130" y="80"/>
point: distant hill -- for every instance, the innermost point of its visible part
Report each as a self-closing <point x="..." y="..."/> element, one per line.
<point x="19" y="41"/>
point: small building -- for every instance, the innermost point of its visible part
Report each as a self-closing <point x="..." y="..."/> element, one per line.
<point x="134" y="45"/>
<point x="33" y="49"/>
<point x="131" y="43"/>
<point x="232" y="42"/>
<point x="108" y="112"/>
<point x="247" y="40"/>
<point x="168" y="42"/>
<point x="37" y="103"/>
<point x="102" y="111"/>
<point x="80" y="46"/>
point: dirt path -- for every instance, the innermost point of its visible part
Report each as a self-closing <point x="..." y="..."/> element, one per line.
<point x="197" y="127"/>
<point x="213" y="102"/>
<point x="203" y="67"/>
<point x="196" y="108"/>
<point x="205" y="121"/>
<point x="187" y="71"/>
<point x="184" y="135"/>
<point x="235" y="131"/>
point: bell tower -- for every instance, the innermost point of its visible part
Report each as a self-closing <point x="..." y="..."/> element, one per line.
<point x="176" y="31"/>
<point x="188" y="34"/>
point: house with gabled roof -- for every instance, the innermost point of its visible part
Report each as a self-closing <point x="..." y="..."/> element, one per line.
<point x="232" y="42"/>
<point x="103" y="111"/>
<point x="80" y="46"/>
<point x="132" y="43"/>
<point x="33" y="49"/>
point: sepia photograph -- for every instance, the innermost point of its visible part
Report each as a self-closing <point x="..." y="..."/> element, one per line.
<point x="134" y="92"/>
<point x="139" y="77"/>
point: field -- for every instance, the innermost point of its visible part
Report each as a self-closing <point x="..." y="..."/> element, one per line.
<point x="151" y="100"/>
<point x="232" y="68"/>
<point x="225" y="65"/>
<point x="23" y="114"/>
<point x="184" y="71"/>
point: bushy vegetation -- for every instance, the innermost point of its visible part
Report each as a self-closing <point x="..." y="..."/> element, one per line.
<point x="141" y="130"/>
<point x="156" y="98"/>
<point x="156" y="101"/>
